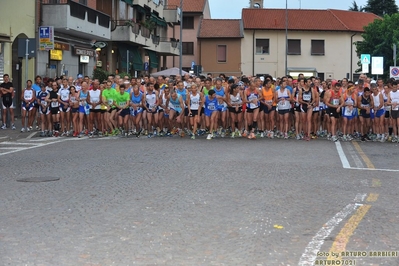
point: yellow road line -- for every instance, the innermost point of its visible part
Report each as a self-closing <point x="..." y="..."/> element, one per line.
<point x="372" y="197"/>
<point x="339" y="245"/>
<point x="363" y="155"/>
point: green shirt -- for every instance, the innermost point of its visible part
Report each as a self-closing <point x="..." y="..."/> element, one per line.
<point x="109" y="96"/>
<point x="121" y="99"/>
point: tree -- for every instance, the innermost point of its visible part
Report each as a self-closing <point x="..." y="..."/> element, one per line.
<point x="378" y="39"/>
<point x="381" y="7"/>
<point x="355" y="7"/>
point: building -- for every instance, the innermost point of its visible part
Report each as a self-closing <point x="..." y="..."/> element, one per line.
<point x="319" y="41"/>
<point x="219" y="42"/>
<point x="78" y="25"/>
<point x="141" y="36"/>
<point x="15" y="28"/>
<point x="193" y="12"/>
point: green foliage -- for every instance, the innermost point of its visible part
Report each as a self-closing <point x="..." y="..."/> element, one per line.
<point x="123" y="74"/>
<point x="100" y="74"/>
<point x="355" y="7"/>
<point x="379" y="38"/>
<point x="381" y="7"/>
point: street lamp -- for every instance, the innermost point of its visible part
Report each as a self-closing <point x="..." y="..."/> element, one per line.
<point x="286" y="37"/>
<point x="181" y="39"/>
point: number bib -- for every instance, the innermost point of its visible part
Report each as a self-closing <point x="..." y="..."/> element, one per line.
<point x="54" y="104"/>
<point x="211" y="107"/>
<point x="335" y="101"/>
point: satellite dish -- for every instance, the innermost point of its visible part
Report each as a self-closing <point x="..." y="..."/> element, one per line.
<point x="256" y="5"/>
<point x="100" y="44"/>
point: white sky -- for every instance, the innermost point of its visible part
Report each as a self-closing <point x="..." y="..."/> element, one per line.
<point x="231" y="9"/>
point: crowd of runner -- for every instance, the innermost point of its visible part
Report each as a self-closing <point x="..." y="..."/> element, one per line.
<point x="302" y="108"/>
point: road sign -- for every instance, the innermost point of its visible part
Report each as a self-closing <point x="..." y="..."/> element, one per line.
<point x="365" y="59"/>
<point x="46" y="38"/>
<point x="192" y="65"/>
<point x="146" y="66"/>
<point x="377" y="65"/>
<point x="365" y="68"/>
<point x="394" y="72"/>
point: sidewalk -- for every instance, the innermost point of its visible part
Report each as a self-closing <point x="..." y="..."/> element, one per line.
<point x="12" y="135"/>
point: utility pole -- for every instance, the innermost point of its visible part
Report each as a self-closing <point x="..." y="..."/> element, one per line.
<point x="181" y="39"/>
<point x="286" y="37"/>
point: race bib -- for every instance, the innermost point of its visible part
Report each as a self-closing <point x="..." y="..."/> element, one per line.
<point x="151" y="106"/>
<point x="44" y="103"/>
<point x="307" y="97"/>
<point x="335" y="101"/>
<point x="110" y="102"/>
<point x="348" y="111"/>
<point x="123" y="104"/>
<point x="64" y="98"/>
<point x="211" y="107"/>
<point x="54" y="104"/>
<point x="269" y="102"/>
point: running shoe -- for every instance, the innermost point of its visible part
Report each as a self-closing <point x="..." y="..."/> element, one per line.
<point x="232" y="135"/>
<point x="193" y="136"/>
<point x="13" y="127"/>
<point x="298" y="137"/>
<point x="344" y="138"/>
<point x="100" y="134"/>
<point x="272" y="134"/>
<point x="245" y="134"/>
<point x="285" y="135"/>
<point x="209" y="136"/>
<point x="22" y="129"/>
<point x="262" y="134"/>
<point x="28" y="129"/>
<point x="42" y="134"/>
<point x="334" y="138"/>
<point x="4" y="126"/>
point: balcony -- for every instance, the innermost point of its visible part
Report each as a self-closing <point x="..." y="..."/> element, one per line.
<point x="172" y="14"/>
<point x="79" y="20"/>
<point x="129" y="31"/>
<point x="156" y="5"/>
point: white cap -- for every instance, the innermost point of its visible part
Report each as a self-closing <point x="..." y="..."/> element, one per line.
<point x="373" y="82"/>
<point x="262" y="78"/>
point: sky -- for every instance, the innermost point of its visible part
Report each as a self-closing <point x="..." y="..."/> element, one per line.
<point x="231" y="9"/>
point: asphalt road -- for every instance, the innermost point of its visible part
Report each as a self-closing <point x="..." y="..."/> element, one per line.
<point x="172" y="201"/>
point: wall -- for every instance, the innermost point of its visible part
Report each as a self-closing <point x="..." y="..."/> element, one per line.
<point x="335" y="62"/>
<point x="208" y="54"/>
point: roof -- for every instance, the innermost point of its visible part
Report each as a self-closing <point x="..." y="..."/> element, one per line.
<point x="195" y="6"/>
<point x="220" y="28"/>
<point x="307" y="19"/>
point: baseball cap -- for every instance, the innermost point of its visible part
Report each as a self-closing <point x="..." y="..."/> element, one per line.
<point x="80" y="76"/>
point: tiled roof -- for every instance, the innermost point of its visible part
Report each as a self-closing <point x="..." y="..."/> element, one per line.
<point x="307" y="19"/>
<point x="220" y="28"/>
<point x="196" y="6"/>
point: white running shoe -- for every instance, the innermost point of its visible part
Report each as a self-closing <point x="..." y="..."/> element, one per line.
<point x="22" y="129"/>
<point x="209" y="136"/>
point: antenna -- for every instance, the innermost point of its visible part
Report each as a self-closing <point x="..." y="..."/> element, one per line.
<point x="300" y="4"/>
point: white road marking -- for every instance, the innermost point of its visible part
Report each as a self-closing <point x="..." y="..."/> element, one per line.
<point x="360" y="197"/>
<point x="16" y="143"/>
<point x="310" y="254"/>
<point x="342" y="156"/>
<point x="36" y="145"/>
<point x="374" y="169"/>
<point x="31" y="135"/>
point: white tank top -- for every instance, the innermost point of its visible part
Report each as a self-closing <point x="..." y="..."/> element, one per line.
<point x="236" y="99"/>
<point x="376" y="100"/>
<point x="28" y="95"/>
<point x="283" y="100"/>
<point x="395" y="99"/>
<point x="64" y="94"/>
<point x="194" y="101"/>
<point x="95" y="98"/>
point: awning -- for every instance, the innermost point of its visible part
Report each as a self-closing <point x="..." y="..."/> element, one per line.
<point x="134" y="56"/>
<point x="153" y="58"/>
<point x="159" y="21"/>
<point x="140" y="9"/>
<point x="129" y="2"/>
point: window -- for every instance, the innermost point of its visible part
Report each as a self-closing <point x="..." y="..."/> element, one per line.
<point x="262" y="46"/>
<point x="188" y="22"/>
<point x="188" y="48"/>
<point x="222" y="53"/>
<point x="321" y="76"/>
<point x="294" y="47"/>
<point x="122" y="10"/>
<point x="317" y="47"/>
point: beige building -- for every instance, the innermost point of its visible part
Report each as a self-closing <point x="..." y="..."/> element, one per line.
<point x="219" y="42"/>
<point x="193" y="12"/>
<point x="13" y="29"/>
<point x="320" y="42"/>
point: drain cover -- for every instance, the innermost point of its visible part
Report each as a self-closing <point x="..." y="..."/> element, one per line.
<point x="39" y="179"/>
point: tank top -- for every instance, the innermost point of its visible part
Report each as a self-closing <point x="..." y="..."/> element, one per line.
<point x="283" y="100"/>
<point x="28" y="94"/>
<point x="53" y="95"/>
<point x="267" y="95"/>
<point x="183" y="94"/>
<point x="220" y="92"/>
<point x="64" y="94"/>
<point x="334" y="100"/>
<point x="306" y="95"/>
<point x="376" y="100"/>
<point x="136" y="99"/>
<point x="364" y="102"/>
<point x="41" y="96"/>
<point x="194" y="101"/>
<point x="236" y="100"/>
<point x="95" y="98"/>
<point x="349" y="99"/>
<point x="252" y="95"/>
<point x="394" y="99"/>
<point x="175" y="104"/>
<point x="150" y="99"/>
<point x="210" y="104"/>
<point x="83" y="97"/>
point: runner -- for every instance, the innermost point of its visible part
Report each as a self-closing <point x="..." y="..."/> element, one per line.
<point x="210" y="112"/>
<point x="7" y="92"/>
<point x="252" y="101"/>
<point x="333" y="101"/>
<point x="283" y="98"/>
<point x="349" y="112"/>
<point x="307" y="100"/>
<point x="393" y="101"/>
<point x="365" y="105"/>
<point x="74" y="100"/>
<point x="269" y="107"/>
<point x="95" y="109"/>
<point x="176" y="105"/>
<point x="52" y="99"/>
<point x="63" y="99"/>
<point x="136" y="108"/>
<point x="108" y="99"/>
<point x="222" y="107"/>
<point x="151" y="106"/>
<point x="28" y="99"/>
<point x="84" y="109"/>
<point x="234" y="102"/>
<point x="44" y="111"/>
<point x="378" y="113"/>
<point x="195" y="100"/>
<point x="122" y="102"/>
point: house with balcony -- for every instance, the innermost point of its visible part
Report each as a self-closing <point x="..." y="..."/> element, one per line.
<point x="193" y="12"/>
<point x="78" y="25"/>
<point x="139" y="35"/>
<point x="219" y="45"/>
<point x="320" y="42"/>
